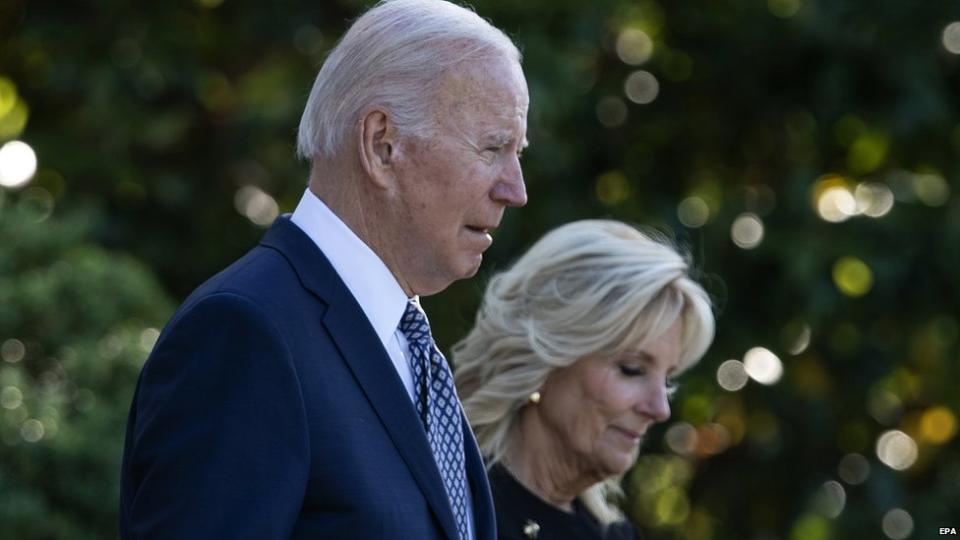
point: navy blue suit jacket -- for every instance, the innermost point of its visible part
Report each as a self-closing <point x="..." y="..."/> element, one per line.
<point x="270" y="409"/>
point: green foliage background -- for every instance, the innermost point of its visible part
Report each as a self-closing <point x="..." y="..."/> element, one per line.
<point x="149" y="118"/>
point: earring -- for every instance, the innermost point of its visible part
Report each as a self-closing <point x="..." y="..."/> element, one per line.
<point x="535" y="398"/>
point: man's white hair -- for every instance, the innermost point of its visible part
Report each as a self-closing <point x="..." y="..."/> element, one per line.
<point x="591" y="287"/>
<point x="393" y="56"/>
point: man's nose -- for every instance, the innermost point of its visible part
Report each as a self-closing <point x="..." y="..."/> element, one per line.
<point x="510" y="189"/>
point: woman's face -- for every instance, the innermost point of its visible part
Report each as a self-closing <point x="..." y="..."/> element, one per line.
<point x="597" y="410"/>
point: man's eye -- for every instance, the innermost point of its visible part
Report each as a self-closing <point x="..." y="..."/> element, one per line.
<point x="672" y="386"/>
<point x="493" y="149"/>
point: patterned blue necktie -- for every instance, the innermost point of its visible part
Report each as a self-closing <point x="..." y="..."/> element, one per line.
<point x="439" y="410"/>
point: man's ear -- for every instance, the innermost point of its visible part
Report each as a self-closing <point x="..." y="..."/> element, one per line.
<point x="377" y="142"/>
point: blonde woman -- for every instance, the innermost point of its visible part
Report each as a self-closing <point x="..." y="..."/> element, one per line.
<point x="572" y="358"/>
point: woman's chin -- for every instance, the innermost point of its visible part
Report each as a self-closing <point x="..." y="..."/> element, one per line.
<point x="618" y="462"/>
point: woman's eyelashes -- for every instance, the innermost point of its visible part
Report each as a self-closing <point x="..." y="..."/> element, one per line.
<point x="628" y="370"/>
<point x="632" y="371"/>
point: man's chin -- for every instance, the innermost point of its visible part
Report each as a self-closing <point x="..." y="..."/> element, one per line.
<point x="471" y="265"/>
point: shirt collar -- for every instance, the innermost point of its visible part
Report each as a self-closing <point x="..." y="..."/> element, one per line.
<point x="366" y="276"/>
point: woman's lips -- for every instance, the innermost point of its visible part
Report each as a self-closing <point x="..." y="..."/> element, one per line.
<point x="631" y="435"/>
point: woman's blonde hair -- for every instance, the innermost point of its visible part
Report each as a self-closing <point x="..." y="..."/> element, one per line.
<point x="586" y="288"/>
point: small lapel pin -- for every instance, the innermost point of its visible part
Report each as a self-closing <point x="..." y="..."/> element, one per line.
<point x="531" y="528"/>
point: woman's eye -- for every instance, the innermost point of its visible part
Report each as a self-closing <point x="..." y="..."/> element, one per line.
<point x="493" y="149"/>
<point x="672" y="386"/>
<point x="631" y="371"/>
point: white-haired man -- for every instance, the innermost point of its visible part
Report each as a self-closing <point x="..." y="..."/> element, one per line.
<point x="299" y="394"/>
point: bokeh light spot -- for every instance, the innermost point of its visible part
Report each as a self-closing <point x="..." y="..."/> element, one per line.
<point x="613" y="188"/>
<point x="641" y="87"/>
<point x="883" y="405"/>
<point x="215" y="91"/>
<point x="783" y="8"/>
<point x="697" y="409"/>
<point x="811" y="527"/>
<point x="836" y="204"/>
<point x="611" y="111"/>
<point x="951" y="38"/>
<point x="13" y="110"/>
<point x="747" y="231"/>
<point x="50" y="426"/>
<point x="308" y="39"/>
<point x="732" y="376"/>
<point x="848" y="128"/>
<point x="148" y="338"/>
<point x="897" y="524"/>
<point x="797" y="337"/>
<point x="853" y="469"/>
<point x="37" y="202"/>
<point x="256" y="205"/>
<point x="868" y="151"/>
<point x="763" y="366"/>
<point x="634" y="46"/>
<point x="672" y="506"/>
<point x="681" y="438"/>
<point x="8" y="96"/>
<point x="896" y="450"/>
<point x="693" y="212"/>
<point x="32" y="430"/>
<point x="938" y="425"/>
<point x="760" y="199"/>
<point x="830" y="499"/>
<point x="731" y="418"/>
<point x="18" y="164"/>
<point x="13" y="350"/>
<point x="712" y="439"/>
<point x="11" y="397"/>
<point x="931" y="189"/>
<point x="852" y="276"/>
<point x="873" y="199"/>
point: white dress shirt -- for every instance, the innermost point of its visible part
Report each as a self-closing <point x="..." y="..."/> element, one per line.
<point x="369" y="280"/>
<point x="372" y="284"/>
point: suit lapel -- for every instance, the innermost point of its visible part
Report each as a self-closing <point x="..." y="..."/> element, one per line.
<point x="368" y="362"/>
<point x="484" y="518"/>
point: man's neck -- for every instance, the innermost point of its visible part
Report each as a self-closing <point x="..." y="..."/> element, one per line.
<point x="350" y="199"/>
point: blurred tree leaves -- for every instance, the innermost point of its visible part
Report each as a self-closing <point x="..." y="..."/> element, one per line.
<point x="76" y="324"/>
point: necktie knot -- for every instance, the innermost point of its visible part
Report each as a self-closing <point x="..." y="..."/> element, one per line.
<point x="414" y="325"/>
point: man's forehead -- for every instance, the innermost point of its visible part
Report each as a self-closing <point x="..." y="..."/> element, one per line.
<point x="498" y="76"/>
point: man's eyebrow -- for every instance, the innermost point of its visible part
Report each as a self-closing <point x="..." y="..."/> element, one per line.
<point x="499" y="138"/>
<point x="504" y="139"/>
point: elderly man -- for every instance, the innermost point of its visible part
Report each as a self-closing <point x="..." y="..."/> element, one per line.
<point x="299" y="394"/>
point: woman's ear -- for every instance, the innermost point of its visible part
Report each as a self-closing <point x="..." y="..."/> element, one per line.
<point x="377" y="143"/>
